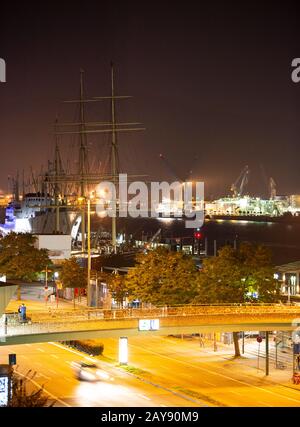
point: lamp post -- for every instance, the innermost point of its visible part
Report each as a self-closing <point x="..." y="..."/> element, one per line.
<point x="88" y="200"/>
<point x="89" y="253"/>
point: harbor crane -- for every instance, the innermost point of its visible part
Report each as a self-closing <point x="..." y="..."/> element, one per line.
<point x="272" y="185"/>
<point x="238" y="186"/>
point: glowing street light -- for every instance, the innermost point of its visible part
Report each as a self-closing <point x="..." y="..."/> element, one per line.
<point x="123" y="350"/>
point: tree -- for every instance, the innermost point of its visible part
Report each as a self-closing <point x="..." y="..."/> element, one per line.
<point x="72" y="275"/>
<point x="117" y="286"/>
<point x="162" y="277"/>
<point x="21" y="397"/>
<point x="19" y="259"/>
<point x="237" y="276"/>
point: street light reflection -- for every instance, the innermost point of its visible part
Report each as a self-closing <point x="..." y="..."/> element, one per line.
<point x="102" y="393"/>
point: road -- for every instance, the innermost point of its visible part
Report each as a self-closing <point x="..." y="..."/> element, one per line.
<point x="204" y="377"/>
<point x="52" y="363"/>
<point x="213" y="377"/>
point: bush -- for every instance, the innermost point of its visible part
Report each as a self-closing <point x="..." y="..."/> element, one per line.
<point x="93" y="347"/>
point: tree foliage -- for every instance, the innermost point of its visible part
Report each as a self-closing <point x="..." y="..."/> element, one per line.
<point x="117" y="285"/>
<point x="162" y="277"/>
<point x="237" y="275"/>
<point x="21" y="397"/>
<point x="72" y="275"/>
<point x="19" y="259"/>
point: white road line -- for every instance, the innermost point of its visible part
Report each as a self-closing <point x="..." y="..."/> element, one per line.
<point x="143" y="396"/>
<point x="46" y="391"/>
<point x="40" y="349"/>
<point x="45" y="376"/>
<point x="54" y="355"/>
<point x="207" y="382"/>
<point x="264" y="403"/>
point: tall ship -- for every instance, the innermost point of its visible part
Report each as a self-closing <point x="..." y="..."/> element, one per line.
<point x="54" y="201"/>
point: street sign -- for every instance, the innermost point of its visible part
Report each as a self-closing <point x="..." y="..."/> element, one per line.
<point x="148" y="324"/>
<point x="259" y="339"/>
<point x="12" y="359"/>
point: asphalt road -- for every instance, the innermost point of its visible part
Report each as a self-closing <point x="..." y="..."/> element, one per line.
<point x="214" y="377"/>
<point x="52" y="363"/>
<point x="180" y="367"/>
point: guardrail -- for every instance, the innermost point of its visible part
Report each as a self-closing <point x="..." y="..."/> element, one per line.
<point x="54" y="316"/>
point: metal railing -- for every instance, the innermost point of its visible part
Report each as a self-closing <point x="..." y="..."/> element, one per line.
<point x="88" y="319"/>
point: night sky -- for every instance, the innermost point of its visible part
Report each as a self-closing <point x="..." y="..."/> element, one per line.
<point x="211" y="83"/>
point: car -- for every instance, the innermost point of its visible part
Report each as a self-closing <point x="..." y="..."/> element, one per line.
<point x="89" y="371"/>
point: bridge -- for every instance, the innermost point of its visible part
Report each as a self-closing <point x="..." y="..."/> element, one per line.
<point x="63" y="325"/>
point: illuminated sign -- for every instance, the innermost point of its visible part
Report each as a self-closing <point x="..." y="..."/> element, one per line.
<point x="148" y="324"/>
<point x="3" y="391"/>
<point x="123" y="350"/>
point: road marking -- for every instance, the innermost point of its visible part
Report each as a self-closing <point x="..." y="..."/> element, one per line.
<point x="263" y="403"/>
<point x="43" y="375"/>
<point x="143" y="396"/>
<point x="207" y="382"/>
<point x="68" y="379"/>
<point x="40" y="349"/>
<point x="54" y="355"/>
<point x="217" y="373"/>
<point x="46" y="391"/>
<point x="235" y="392"/>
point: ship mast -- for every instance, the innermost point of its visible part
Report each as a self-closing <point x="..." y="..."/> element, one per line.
<point x="85" y="128"/>
<point x="114" y="157"/>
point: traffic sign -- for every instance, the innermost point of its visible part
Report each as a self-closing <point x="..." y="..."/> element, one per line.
<point x="12" y="358"/>
<point x="259" y="339"/>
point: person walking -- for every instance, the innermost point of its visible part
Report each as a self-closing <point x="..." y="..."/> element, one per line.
<point x="23" y="312"/>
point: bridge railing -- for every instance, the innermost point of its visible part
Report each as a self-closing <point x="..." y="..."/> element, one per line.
<point x="54" y="316"/>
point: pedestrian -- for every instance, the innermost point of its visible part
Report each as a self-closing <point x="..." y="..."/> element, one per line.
<point x="23" y="312"/>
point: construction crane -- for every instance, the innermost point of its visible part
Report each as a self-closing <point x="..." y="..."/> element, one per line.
<point x="272" y="185"/>
<point x="171" y="168"/>
<point x="238" y="186"/>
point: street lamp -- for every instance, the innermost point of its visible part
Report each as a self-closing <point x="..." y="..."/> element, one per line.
<point x="89" y="266"/>
<point x="89" y="254"/>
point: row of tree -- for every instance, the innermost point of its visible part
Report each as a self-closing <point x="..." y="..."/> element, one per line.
<point x="160" y="277"/>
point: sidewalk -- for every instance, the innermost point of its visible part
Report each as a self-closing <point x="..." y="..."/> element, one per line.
<point x="248" y="361"/>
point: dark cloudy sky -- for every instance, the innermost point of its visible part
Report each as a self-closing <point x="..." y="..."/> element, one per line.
<point x="211" y="83"/>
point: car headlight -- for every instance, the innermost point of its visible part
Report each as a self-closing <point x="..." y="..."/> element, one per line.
<point x="87" y="375"/>
<point x="102" y="374"/>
